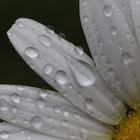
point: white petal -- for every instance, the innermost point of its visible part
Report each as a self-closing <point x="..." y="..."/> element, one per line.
<point x="113" y="46"/>
<point x="68" y="70"/>
<point x="48" y="113"/>
<point x="10" y="132"/>
<point x="135" y="8"/>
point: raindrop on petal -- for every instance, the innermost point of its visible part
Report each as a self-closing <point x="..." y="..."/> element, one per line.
<point x="31" y="52"/>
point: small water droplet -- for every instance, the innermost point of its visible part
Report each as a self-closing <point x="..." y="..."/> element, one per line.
<point x="20" y="24"/>
<point x="36" y="122"/>
<point x="107" y="11"/>
<point x="61" y="35"/>
<point x="89" y="103"/>
<point x="45" y="40"/>
<point x="31" y="52"/>
<point x="110" y="71"/>
<point x="50" y="28"/>
<point x="4" y="134"/>
<point x="14" y="110"/>
<point x="61" y="77"/>
<point x="3" y="105"/>
<point x="15" y="98"/>
<point x="57" y="109"/>
<point x="48" y="69"/>
<point x="9" y="33"/>
<point x="40" y="103"/>
<point x="114" y="30"/>
<point x="126" y="58"/>
<point x="85" y="18"/>
<point x="79" y="50"/>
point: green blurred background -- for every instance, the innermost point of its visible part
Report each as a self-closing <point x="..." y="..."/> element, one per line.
<point x="62" y="14"/>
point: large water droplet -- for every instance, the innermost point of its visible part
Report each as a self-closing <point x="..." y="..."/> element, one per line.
<point x="4" y="134"/>
<point x="61" y="77"/>
<point x="15" y="98"/>
<point x="107" y="11"/>
<point x="83" y="73"/>
<point x="36" y="122"/>
<point x="48" y="69"/>
<point x="45" y="40"/>
<point x="31" y="52"/>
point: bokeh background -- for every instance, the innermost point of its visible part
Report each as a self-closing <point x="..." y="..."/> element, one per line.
<point x="63" y="15"/>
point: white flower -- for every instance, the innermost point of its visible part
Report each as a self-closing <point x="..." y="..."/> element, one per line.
<point x="92" y="99"/>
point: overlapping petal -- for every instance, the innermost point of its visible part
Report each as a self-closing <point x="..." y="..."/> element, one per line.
<point x="48" y="113"/>
<point x="111" y="29"/>
<point x="11" y="132"/>
<point x="67" y="68"/>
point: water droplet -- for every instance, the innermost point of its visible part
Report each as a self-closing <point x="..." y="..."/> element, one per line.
<point x="14" y="110"/>
<point x="9" y="33"/>
<point x="45" y="40"/>
<point x="15" y="98"/>
<point x="107" y="11"/>
<point x="4" y="134"/>
<point x="85" y="18"/>
<point x="114" y="30"/>
<point x="31" y="52"/>
<point x="50" y="28"/>
<point x="57" y="109"/>
<point x="48" y="69"/>
<point x="3" y="105"/>
<point x="20" y="25"/>
<point x="20" y="88"/>
<point x="79" y="50"/>
<point x="61" y="77"/>
<point x="40" y="103"/>
<point x="36" y="122"/>
<point x="126" y="58"/>
<point x="83" y="73"/>
<point x="61" y="35"/>
<point x="110" y="71"/>
<point x="89" y="103"/>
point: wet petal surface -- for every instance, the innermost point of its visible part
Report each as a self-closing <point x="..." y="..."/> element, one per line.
<point x="67" y="68"/>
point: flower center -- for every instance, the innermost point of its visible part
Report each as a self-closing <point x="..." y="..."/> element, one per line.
<point x="128" y="128"/>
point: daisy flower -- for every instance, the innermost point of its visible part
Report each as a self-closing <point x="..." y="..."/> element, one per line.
<point x="97" y="99"/>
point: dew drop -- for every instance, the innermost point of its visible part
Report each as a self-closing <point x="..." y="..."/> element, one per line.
<point x="36" y="122"/>
<point x="45" y="40"/>
<point x="110" y="71"/>
<point x="4" y="134"/>
<point x="31" y="52"/>
<point x="83" y="73"/>
<point x="3" y="105"/>
<point x="126" y="58"/>
<point x="9" y="33"/>
<point x="61" y="77"/>
<point x="20" y="25"/>
<point x="15" y="98"/>
<point x="107" y="11"/>
<point x="114" y="30"/>
<point x="48" y="69"/>
<point x="85" y="18"/>
<point x="57" y="109"/>
<point x="79" y="50"/>
<point x="40" y="103"/>
<point x="89" y="103"/>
